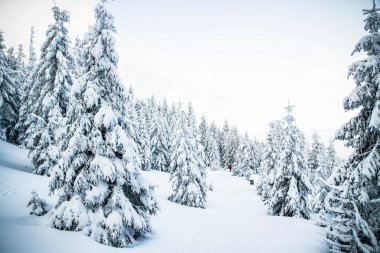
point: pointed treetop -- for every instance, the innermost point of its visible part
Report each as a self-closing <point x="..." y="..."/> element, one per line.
<point x="289" y="108"/>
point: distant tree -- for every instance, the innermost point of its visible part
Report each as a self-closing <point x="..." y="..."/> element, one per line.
<point x="212" y="156"/>
<point x="9" y="97"/>
<point x="158" y="142"/>
<point x="27" y="102"/>
<point x="223" y="136"/>
<point x="243" y="158"/>
<point x="188" y="175"/>
<point x="144" y="139"/>
<point x="203" y="130"/>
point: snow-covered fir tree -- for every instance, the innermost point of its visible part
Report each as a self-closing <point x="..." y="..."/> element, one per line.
<point x="21" y="57"/>
<point x="49" y="95"/>
<point x="291" y="188"/>
<point x="332" y="158"/>
<point x="158" y="140"/>
<point x="143" y="140"/>
<point x="232" y="145"/>
<point x="203" y="130"/>
<point x="271" y="159"/>
<point x="11" y="59"/>
<point x="257" y="154"/>
<point x="317" y="149"/>
<point x="193" y="129"/>
<point x="9" y="97"/>
<point x="212" y="156"/>
<point x="188" y="174"/>
<point x="172" y="121"/>
<point x="243" y="167"/>
<point x="79" y="57"/>
<point x="354" y="200"/>
<point x="167" y="127"/>
<point x="223" y="136"/>
<point x="27" y="101"/>
<point x="37" y="205"/>
<point x="101" y="191"/>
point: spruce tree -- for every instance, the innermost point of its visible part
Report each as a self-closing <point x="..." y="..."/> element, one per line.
<point x="100" y="188"/>
<point x="243" y="159"/>
<point x="9" y="97"/>
<point x="223" y="139"/>
<point x="158" y="142"/>
<point x="212" y="155"/>
<point x="271" y="159"/>
<point x="291" y="188"/>
<point x="354" y="206"/>
<point x="49" y="95"/>
<point x="203" y="128"/>
<point x="188" y="175"/>
<point x="28" y="99"/>
<point x="144" y="139"/>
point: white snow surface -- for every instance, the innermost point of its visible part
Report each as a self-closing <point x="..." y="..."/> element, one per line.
<point x="234" y="220"/>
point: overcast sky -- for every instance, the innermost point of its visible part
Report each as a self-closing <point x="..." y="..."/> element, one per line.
<point x="234" y="59"/>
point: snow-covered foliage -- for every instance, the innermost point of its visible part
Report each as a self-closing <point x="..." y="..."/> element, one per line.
<point x="37" y="205"/>
<point x="143" y="140"/>
<point x="9" y="96"/>
<point x="291" y="188"/>
<point x="26" y="102"/>
<point x="271" y="159"/>
<point x="158" y="140"/>
<point x="98" y="180"/>
<point x="49" y="95"/>
<point x="353" y="206"/>
<point x="243" y="167"/>
<point x="188" y="174"/>
<point x="211" y="148"/>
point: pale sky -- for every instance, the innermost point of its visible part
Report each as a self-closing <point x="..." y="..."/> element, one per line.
<point x="234" y="59"/>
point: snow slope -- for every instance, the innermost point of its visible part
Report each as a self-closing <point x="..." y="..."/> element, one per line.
<point x="235" y="219"/>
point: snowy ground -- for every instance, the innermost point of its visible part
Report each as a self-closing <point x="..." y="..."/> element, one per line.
<point x="235" y="219"/>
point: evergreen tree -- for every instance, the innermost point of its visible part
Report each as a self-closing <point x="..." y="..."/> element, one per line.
<point x="144" y="139"/>
<point x="188" y="175"/>
<point x="49" y="95"/>
<point x="172" y="119"/>
<point x="331" y="155"/>
<point x="28" y="99"/>
<point x="20" y="57"/>
<point x="101" y="191"/>
<point x="291" y="188"/>
<point x="354" y="201"/>
<point x="232" y="145"/>
<point x="158" y="142"/>
<point x="203" y="128"/>
<point x="317" y="149"/>
<point x="193" y="130"/>
<point x="212" y="157"/>
<point x="257" y="153"/>
<point x="32" y="59"/>
<point x="223" y="138"/>
<point x="37" y="205"/>
<point x="271" y="159"/>
<point x="243" y="159"/>
<point x="9" y="97"/>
